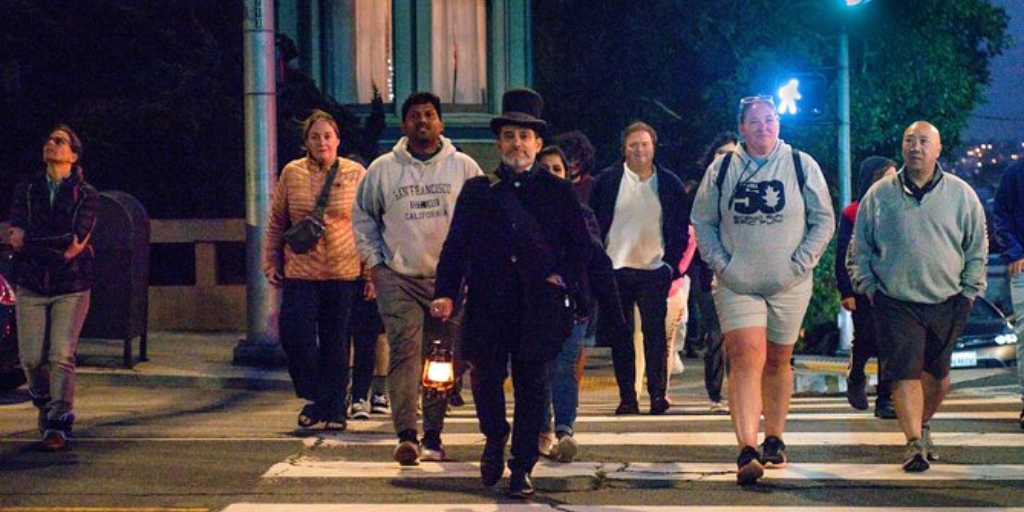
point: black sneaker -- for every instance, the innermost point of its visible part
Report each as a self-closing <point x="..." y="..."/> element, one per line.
<point x="519" y="485"/>
<point x="492" y="461"/>
<point x="57" y="434"/>
<point x="659" y="406"/>
<point x="856" y="394"/>
<point x="456" y="400"/>
<point x="773" y="453"/>
<point x="748" y="466"/>
<point x="627" y="409"/>
<point x="884" y="408"/>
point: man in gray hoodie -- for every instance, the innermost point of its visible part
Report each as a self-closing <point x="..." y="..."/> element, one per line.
<point x="401" y="217"/>
<point x="920" y="257"/>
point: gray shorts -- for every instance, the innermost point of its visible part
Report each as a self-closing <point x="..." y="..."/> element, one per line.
<point x="782" y="314"/>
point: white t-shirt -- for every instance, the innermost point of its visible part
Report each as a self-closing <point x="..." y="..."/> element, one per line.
<point x="634" y="238"/>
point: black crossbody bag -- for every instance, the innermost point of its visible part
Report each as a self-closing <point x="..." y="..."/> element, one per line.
<point x="550" y="309"/>
<point x="306" y="233"/>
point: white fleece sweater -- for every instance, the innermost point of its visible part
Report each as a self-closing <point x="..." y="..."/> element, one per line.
<point x="404" y="206"/>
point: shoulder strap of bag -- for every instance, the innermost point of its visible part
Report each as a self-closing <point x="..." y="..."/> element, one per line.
<point x="523" y="222"/>
<point x="325" y="192"/>
<point x="801" y="178"/>
<point x="723" y="168"/>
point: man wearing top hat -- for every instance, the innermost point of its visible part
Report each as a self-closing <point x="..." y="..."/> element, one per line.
<point x="519" y="241"/>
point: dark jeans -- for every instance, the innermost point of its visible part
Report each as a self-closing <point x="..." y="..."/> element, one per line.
<point x="648" y="290"/>
<point x="487" y="378"/>
<point x="865" y="345"/>
<point x="366" y="325"/>
<point x="314" y="325"/>
<point x="714" y="354"/>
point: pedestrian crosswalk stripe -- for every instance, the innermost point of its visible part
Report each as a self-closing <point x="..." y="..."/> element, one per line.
<point x="674" y="417"/>
<point x="958" y="439"/>
<point x="539" y="507"/>
<point x="308" y="467"/>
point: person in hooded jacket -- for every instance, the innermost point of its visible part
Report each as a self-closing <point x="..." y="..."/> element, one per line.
<point x="763" y="217"/>
<point x="53" y="214"/>
<point x="865" y="343"/>
<point x="402" y="214"/>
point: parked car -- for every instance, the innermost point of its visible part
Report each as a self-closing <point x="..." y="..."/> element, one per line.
<point x="988" y="340"/>
<point x="11" y="375"/>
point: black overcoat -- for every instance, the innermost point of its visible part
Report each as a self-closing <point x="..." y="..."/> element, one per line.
<point x="484" y="249"/>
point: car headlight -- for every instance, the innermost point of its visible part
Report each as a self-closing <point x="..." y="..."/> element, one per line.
<point x="1006" y="339"/>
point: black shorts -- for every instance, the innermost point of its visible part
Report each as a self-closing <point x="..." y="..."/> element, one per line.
<point x="915" y="337"/>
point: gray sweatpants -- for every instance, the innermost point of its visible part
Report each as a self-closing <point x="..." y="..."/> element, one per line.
<point x="404" y="305"/>
<point x="49" y="362"/>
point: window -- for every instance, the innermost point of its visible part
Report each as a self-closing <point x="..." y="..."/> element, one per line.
<point x="459" y="51"/>
<point x="363" y="50"/>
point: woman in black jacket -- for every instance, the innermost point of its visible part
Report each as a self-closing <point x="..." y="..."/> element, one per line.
<point x="53" y="214"/>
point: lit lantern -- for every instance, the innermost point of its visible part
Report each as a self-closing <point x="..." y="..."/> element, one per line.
<point x="438" y="370"/>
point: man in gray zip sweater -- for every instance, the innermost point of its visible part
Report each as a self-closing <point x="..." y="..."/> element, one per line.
<point x="920" y="257"/>
<point x="401" y="217"/>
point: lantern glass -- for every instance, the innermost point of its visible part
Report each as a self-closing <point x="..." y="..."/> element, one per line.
<point x="440" y="371"/>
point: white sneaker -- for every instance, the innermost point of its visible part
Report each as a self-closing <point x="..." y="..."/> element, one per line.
<point x="361" y="410"/>
<point x="546" y="443"/>
<point x="565" y="450"/>
<point x="719" y="408"/>
<point x="379" y="404"/>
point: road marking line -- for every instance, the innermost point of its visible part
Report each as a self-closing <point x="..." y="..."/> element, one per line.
<point x="672" y="417"/>
<point x="308" y="467"/>
<point x="536" y="507"/>
<point x="951" y="439"/>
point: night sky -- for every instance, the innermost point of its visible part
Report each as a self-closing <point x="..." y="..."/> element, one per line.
<point x="1002" y="117"/>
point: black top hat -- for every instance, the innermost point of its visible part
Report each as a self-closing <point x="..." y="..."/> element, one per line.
<point x="520" y="107"/>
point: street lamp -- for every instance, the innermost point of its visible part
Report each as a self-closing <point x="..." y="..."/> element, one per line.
<point x="843" y="109"/>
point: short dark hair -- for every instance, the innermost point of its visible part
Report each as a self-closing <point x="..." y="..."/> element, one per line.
<point x="73" y="141"/>
<point x="720" y="140"/>
<point x="638" y="126"/>
<point x="421" y="98"/>
<point x="555" y="150"/>
<point x="577" y="147"/>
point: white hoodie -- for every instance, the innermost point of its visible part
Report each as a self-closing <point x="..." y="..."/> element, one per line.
<point x="404" y="206"/>
<point x="761" y="233"/>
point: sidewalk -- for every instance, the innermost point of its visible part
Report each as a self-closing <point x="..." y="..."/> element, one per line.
<point x="203" y="360"/>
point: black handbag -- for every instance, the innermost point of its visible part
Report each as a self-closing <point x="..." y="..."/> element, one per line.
<point x="306" y="233"/>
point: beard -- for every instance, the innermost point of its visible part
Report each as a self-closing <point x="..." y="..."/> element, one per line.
<point x="517" y="163"/>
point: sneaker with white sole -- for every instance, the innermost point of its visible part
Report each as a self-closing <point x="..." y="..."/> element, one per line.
<point x="719" y="408"/>
<point x="929" y="446"/>
<point x="379" y="404"/>
<point x="431" y="449"/>
<point x="361" y="410"/>
<point x="545" y="443"/>
<point x="566" y="448"/>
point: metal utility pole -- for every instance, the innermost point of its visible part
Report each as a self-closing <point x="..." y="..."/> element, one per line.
<point x="844" y="119"/>
<point x="261" y="345"/>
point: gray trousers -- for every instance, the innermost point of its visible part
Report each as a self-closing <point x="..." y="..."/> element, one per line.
<point x="404" y="305"/>
<point x="49" y="361"/>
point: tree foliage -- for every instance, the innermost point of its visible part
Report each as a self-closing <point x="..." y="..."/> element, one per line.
<point x="682" y="66"/>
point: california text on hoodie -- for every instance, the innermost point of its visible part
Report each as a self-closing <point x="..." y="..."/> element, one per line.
<point x="404" y="207"/>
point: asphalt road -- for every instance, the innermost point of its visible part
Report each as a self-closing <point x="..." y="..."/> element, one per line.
<point x="186" y="448"/>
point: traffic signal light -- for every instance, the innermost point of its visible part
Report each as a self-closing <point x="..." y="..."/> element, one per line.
<point x="802" y="96"/>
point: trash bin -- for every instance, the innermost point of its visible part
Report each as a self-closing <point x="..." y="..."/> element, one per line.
<point x="120" y="296"/>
